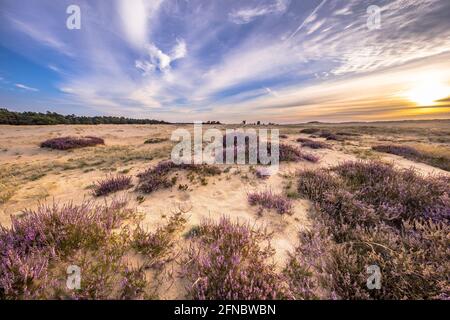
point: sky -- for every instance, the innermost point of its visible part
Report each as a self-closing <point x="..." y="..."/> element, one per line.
<point x="283" y="61"/>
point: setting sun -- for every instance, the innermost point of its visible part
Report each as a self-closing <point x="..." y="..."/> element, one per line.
<point x="427" y="91"/>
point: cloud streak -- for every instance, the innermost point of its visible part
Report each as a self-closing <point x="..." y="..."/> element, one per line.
<point x="27" y="88"/>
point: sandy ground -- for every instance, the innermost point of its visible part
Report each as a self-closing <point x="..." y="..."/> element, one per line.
<point x="42" y="176"/>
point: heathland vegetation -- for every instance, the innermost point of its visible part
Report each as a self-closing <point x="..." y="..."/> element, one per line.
<point x="140" y="226"/>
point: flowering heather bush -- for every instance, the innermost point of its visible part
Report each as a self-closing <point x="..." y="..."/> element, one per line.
<point x="329" y="136"/>
<point x="373" y="214"/>
<point x="306" y="268"/>
<point x="313" y="144"/>
<point x="268" y="200"/>
<point x="314" y="184"/>
<point x="158" y="177"/>
<point x="133" y="284"/>
<point x="398" y="150"/>
<point x="36" y="250"/>
<point x="293" y="153"/>
<point x="112" y="184"/>
<point x="310" y="130"/>
<point x="402" y="193"/>
<point x="66" y="143"/>
<point x="311" y="157"/>
<point x="228" y="260"/>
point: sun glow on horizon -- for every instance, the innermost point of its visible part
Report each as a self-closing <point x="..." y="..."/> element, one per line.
<point x="428" y="90"/>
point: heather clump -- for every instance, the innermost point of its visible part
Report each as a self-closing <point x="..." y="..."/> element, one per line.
<point x="402" y="193"/>
<point x="329" y="136"/>
<point x="313" y="144"/>
<point x="111" y="184"/>
<point x="231" y="261"/>
<point x="39" y="247"/>
<point x="66" y="143"/>
<point x="372" y="214"/>
<point x="310" y="130"/>
<point x="268" y="200"/>
<point x="398" y="150"/>
<point x="293" y="153"/>
<point x="158" y="177"/>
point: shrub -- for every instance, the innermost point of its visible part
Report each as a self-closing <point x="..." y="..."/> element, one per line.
<point x="153" y="183"/>
<point x="157" y="177"/>
<point x="329" y="136"/>
<point x="306" y="271"/>
<point x="371" y="213"/>
<point x="283" y="136"/>
<point x="268" y="200"/>
<point x="313" y="144"/>
<point x="402" y="194"/>
<point x="228" y="261"/>
<point x="154" y="140"/>
<point x="66" y="143"/>
<point x="310" y="130"/>
<point x="36" y="250"/>
<point x="293" y="153"/>
<point x="311" y="157"/>
<point x="112" y="184"/>
<point x="398" y="150"/>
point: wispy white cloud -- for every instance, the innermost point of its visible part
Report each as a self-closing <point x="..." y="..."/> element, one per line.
<point x="22" y="86"/>
<point x="42" y="36"/>
<point x="248" y="14"/>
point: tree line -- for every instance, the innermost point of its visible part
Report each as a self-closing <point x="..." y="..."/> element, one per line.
<point x="51" y="118"/>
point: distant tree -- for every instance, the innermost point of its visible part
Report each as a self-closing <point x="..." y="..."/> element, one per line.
<point x="51" y="118"/>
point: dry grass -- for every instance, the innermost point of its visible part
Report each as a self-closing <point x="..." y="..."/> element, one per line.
<point x="437" y="156"/>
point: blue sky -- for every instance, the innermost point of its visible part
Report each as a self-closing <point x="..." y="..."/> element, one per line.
<point x="269" y="60"/>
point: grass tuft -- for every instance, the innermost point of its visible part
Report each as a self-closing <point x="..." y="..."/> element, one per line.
<point x="111" y="185"/>
<point x="268" y="200"/>
<point x="432" y="157"/>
